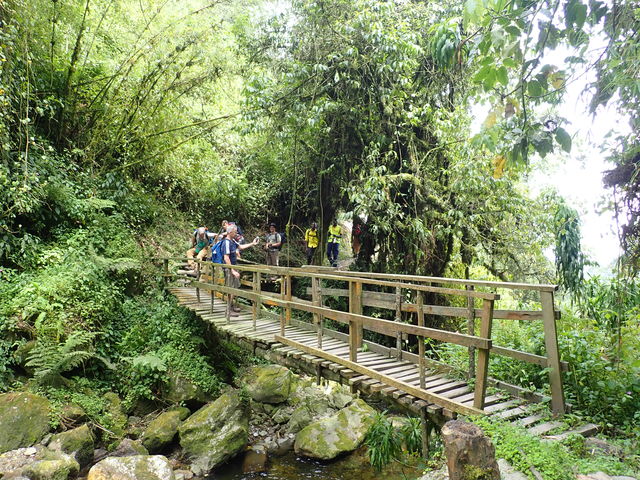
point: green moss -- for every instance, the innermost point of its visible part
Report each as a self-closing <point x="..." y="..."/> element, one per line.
<point x="77" y="442"/>
<point x="58" y="469"/>
<point x="24" y="420"/>
<point x="162" y="430"/>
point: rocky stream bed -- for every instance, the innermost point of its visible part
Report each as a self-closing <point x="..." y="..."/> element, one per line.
<point x="276" y="413"/>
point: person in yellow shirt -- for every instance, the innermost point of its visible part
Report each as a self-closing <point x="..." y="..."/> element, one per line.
<point x="335" y="234"/>
<point x="311" y="241"/>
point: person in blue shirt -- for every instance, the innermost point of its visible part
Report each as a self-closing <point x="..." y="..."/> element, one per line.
<point x="230" y="248"/>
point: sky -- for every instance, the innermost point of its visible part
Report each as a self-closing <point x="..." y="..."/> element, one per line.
<point x="578" y="176"/>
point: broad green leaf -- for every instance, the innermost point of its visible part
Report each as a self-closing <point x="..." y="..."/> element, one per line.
<point x="580" y="15"/>
<point x="490" y="79"/>
<point x="473" y="11"/>
<point x="534" y="89"/>
<point x="543" y="147"/>
<point x="564" y="139"/>
<point x="502" y="76"/>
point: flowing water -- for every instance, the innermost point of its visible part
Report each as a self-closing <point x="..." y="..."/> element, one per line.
<point x="291" y="467"/>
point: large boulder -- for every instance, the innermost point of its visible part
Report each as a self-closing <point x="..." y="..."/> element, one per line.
<point x="24" y="420"/>
<point x="61" y="468"/>
<point x="163" y="429"/>
<point x="77" y="442"/>
<point x="470" y="453"/>
<point x="315" y="408"/>
<point x="180" y="389"/>
<point x="216" y="432"/>
<point x="37" y="463"/>
<point x="343" y="432"/>
<point x="138" y="467"/>
<point x="269" y="383"/>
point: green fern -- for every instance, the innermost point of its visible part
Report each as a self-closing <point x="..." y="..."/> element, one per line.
<point x="50" y="359"/>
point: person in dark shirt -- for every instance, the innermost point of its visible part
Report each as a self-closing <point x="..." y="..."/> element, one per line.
<point x="230" y="248"/>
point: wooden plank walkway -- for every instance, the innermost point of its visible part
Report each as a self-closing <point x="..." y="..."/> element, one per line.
<point x="267" y="330"/>
<point x="501" y="404"/>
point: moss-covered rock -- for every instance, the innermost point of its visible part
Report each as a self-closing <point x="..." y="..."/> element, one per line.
<point x="37" y="463"/>
<point x="73" y="414"/>
<point x="180" y="389"/>
<point x="216" y="432"/>
<point x="343" y="432"/>
<point x="315" y="408"/>
<point x="78" y="443"/>
<point x="24" y="420"/>
<point x="139" y="467"/>
<point x="269" y="383"/>
<point x="61" y="468"/>
<point x="118" y="424"/>
<point x="129" y="448"/>
<point x="163" y="429"/>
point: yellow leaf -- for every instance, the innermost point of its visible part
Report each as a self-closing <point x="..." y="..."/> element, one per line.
<point x="499" y="162"/>
<point x="491" y="119"/>
<point x="556" y="79"/>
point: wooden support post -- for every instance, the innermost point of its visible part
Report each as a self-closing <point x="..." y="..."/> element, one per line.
<point x="212" y="293"/>
<point x="399" y="319"/>
<point x="471" y="330"/>
<point x="198" y="279"/>
<point x="256" y="303"/>
<point x="355" y="306"/>
<point x="213" y="296"/>
<point x="553" y="354"/>
<point x="166" y="270"/>
<point x="421" y="359"/>
<point x="288" y="297"/>
<point x="483" y="355"/>
<point x="318" y="374"/>
<point x="353" y="338"/>
<point x="425" y="430"/>
<point x="316" y="299"/>
<point x="282" y="297"/>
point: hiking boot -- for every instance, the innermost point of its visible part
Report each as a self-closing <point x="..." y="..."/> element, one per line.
<point x="236" y="309"/>
<point x="233" y="314"/>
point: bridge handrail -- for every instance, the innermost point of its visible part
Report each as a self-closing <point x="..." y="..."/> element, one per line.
<point x="357" y="322"/>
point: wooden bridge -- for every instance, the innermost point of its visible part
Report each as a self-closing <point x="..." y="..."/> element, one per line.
<point x="410" y="378"/>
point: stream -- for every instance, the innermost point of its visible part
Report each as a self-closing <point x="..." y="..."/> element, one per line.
<point x="291" y="467"/>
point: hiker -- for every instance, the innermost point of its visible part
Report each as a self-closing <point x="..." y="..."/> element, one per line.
<point x="200" y="246"/>
<point x="335" y="234"/>
<point x="239" y="237"/>
<point x="356" y="242"/>
<point x="311" y="241"/>
<point x="272" y="246"/>
<point x="230" y="249"/>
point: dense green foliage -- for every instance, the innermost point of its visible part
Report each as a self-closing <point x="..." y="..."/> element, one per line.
<point x="551" y="460"/>
<point x="125" y="124"/>
<point x="387" y="442"/>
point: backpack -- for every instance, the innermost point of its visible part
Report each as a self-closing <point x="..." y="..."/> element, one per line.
<point x="216" y="253"/>
<point x="283" y="239"/>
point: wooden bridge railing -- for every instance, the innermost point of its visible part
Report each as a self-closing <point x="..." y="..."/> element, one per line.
<point x="547" y="314"/>
<point x="405" y="287"/>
